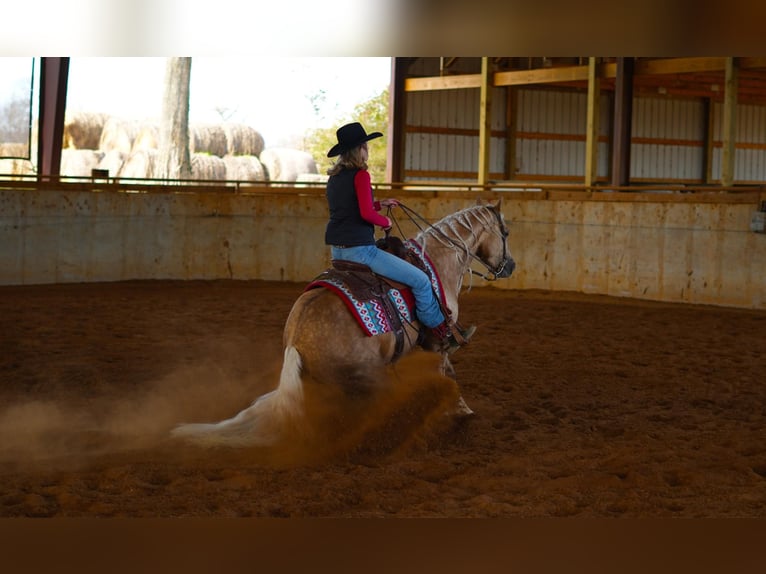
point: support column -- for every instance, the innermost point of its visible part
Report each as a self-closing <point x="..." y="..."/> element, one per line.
<point x="729" y="122"/>
<point x="510" y="133"/>
<point x="591" y="135"/>
<point x="485" y="121"/>
<point x="707" y="138"/>
<point x="54" y="76"/>
<point x="622" y="122"/>
<point x="397" y="116"/>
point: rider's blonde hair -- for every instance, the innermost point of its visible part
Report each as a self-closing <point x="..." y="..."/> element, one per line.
<point x="351" y="159"/>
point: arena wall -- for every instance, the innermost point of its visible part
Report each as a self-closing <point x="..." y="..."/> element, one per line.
<point x="680" y="248"/>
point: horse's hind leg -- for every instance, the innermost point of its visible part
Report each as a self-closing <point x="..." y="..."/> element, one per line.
<point x="445" y="368"/>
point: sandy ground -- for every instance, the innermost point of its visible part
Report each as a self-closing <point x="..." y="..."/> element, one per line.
<point x="585" y="406"/>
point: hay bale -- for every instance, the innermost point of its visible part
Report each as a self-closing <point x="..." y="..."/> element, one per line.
<point x="119" y="135"/>
<point x="285" y="164"/>
<point x="112" y="162"/>
<point x="148" y="137"/>
<point x="207" y="139"/>
<point x="14" y="150"/>
<point x="140" y="164"/>
<point x="244" y="168"/>
<point x="207" y="167"/>
<point x="16" y="167"/>
<point x="242" y="140"/>
<point x="79" y="162"/>
<point x="83" y="130"/>
<point x="311" y="180"/>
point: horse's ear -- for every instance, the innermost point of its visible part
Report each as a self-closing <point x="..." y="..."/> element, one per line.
<point x="498" y="203"/>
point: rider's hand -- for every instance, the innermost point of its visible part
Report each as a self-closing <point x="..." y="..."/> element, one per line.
<point x="390" y="202"/>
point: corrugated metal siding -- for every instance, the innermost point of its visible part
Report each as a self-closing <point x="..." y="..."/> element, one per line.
<point x="668" y="137"/>
<point x="447" y="153"/>
<point x="750" y="157"/>
<point x="676" y="127"/>
<point x="557" y="113"/>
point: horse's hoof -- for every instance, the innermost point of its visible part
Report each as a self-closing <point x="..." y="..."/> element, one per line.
<point x="463" y="410"/>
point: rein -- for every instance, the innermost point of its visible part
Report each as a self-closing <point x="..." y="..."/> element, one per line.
<point x="416" y="217"/>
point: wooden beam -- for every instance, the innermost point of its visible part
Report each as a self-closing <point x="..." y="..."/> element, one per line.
<point x="442" y="83"/>
<point x="551" y="75"/>
<point x="729" y="132"/>
<point x="485" y="122"/>
<point x="679" y="66"/>
<point x="591" y="135"/>
<point x="751" y="63"/>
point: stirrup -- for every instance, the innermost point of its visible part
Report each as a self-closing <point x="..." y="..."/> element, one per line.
<point x="458" y="337"/>
<point x="450" y="336"/>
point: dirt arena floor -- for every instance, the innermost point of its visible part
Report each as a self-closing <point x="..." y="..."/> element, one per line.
<point x="585" y="406"/>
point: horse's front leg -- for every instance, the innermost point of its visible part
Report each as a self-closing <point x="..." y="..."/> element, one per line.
<point x="446" y="369"/>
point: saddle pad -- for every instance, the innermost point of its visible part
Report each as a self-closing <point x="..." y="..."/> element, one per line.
<point x="368" y="309"/>
<point x="416" y="251"/>
<point x="369" y="312"/>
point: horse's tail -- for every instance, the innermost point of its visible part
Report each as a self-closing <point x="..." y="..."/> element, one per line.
<point x="264" y="422"/>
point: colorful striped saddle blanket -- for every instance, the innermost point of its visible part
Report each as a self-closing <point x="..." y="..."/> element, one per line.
<point x="378" y="305"/>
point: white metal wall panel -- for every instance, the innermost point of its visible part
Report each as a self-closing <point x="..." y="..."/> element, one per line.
<point x="750" y="158"/>
<point x="444" y="152"/>
<point x="678" y="126"/>
<point x="750" y="154"/>
<point x="670" y="133"/>
<point x="558" y="113"/>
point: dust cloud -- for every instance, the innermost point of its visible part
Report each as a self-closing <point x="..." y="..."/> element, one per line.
<point x="70" y="433"/>
<point x="410" y="404"/>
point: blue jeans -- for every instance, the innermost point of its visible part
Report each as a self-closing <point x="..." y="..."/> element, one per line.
<point x="384" y="263"/>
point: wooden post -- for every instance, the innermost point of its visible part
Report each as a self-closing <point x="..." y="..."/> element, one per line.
<point x="510" y="133"/>
<point x="485" y="121"/>
<point x="729" y="123"/>
<point x="591" y="136"/>
<point x="707" y="138"/>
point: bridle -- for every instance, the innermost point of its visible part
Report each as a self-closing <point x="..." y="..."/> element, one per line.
<point x="493" y="271"/>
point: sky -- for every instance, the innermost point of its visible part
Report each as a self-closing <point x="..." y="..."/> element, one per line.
<point x="281" y="97"/>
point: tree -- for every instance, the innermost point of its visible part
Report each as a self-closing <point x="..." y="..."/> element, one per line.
<point x="174" y="160"/>
<point x="373" y="115"/>
<point x="15" y="121"/>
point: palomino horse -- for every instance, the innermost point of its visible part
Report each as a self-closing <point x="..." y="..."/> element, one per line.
<point x="323" y="342"/>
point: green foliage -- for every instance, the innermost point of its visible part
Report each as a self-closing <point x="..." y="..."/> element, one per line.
<point x="373" y="115"/>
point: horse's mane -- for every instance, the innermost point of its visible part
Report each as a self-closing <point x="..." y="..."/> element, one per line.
<point x="447" y="231"/>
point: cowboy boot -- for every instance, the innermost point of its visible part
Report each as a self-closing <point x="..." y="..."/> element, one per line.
<point x="449" y="337"/>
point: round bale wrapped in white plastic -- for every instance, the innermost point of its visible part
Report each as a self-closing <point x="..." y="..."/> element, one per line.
<point x="79" y="162"/>
<point x="140" y="164"/>
<point x="286" y="164"/>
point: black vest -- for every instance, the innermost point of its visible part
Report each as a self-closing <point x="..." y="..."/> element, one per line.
<point x="346" y="226"/>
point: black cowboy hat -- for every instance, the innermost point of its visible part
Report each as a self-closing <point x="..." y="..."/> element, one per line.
<point x="350" y="136"/>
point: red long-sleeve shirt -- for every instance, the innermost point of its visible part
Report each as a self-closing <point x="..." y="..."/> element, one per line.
<point x="367" y="207"/>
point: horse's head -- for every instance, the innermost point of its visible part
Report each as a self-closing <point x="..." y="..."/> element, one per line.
<point x="492" y="249"/>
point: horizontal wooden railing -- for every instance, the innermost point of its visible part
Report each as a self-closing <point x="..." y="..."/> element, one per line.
<point x="661" y="192"/>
